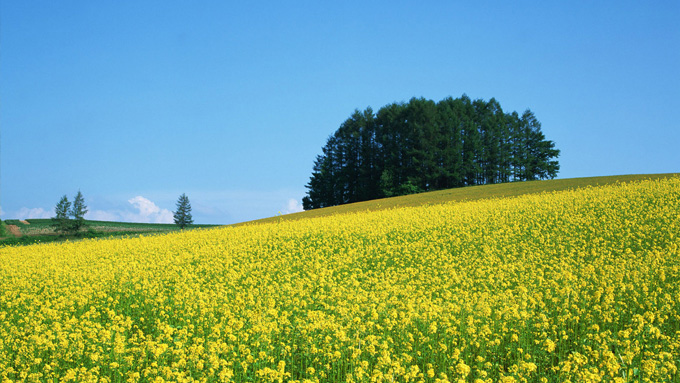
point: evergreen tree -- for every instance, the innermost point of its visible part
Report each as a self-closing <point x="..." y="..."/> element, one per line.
<point x="369" y="158"/>
<point x="319" y="194"/>
<point x="471" y="144"/>
<point x="347" y="149"/>
<point x="490" y="124"/>
<point x="182" y="216"/>
<point x="390" y="121"/>
<point x="78" y="212"/>
<point x="450" y="143"/>
<point x="516" y="146"/>
<point x="61" y="220"/>
<point x="422" y="121"/>
<point x="421" y="145"/>
<point x="539" y="151"/>
<point x="505" y="150"/>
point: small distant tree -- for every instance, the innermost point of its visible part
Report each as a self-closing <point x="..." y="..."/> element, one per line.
<point x="61" y="221"/>
<point x="182" y="216"/>
<point x="78" y="212"/>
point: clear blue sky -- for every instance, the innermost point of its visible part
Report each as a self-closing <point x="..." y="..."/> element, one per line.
<point x="136" y="102"/>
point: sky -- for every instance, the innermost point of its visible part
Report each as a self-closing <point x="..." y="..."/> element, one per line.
<point x="136" y="102"/>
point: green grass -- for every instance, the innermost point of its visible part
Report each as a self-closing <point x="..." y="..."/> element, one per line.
<point x="41" y="230"/>
<point x="3" y="229"/>
<point x="469" y="193"/>
<point x="42" y="226"/>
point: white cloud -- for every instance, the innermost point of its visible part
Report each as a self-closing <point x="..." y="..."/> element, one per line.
<point x="165" y="216"/>
<point x="211" y="206"/>
<point x="37" y="212"/>
<point x="147" y="211"/>
<point x="141" y="210"/>
<point x="294" y="206"/>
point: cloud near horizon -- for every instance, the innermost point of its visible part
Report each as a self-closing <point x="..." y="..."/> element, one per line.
<point x="293" y="206"/>
<point x="142" y="210"/>
<point x="147" y="211"/>
<point x="37" y="212"/>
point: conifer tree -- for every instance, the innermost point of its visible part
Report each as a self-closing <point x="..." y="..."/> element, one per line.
<point x="78" y="212"/>
<point x="450" y="143"/>
<point x="421" y="145"/>
<point x="182" y="216"/>
<point x="61" y="220"/>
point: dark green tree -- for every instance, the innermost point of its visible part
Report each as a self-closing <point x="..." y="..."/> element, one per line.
<point x="422" y="120"/>
<point x="472" y="144"/>
<point x="320" y="189"/>
<point x="391" y="136"/>
<point x="369" y="158"/>
<point x="538" y="151"/>
<point x="182" y="216"/>
<point x="505" y="150"/>
<point x="61" y="221"/>
<point x="421" y="145"/>
<point x="450" y="144"/>
<point x="78" y="211"/>
<point x="490" y="124"/>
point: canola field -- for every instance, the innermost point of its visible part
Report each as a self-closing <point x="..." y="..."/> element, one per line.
<point x="572" y="286"/>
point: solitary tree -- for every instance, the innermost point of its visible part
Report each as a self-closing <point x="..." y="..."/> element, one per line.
<point x="61" y="221"/>
<point x="183" y="214"/>
<point x="78" y="212"/>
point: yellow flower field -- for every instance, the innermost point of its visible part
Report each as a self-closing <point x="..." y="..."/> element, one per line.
<point x="579" y="286"/>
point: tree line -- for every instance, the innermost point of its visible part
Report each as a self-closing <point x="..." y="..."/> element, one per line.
<point x="424" y="145"/>
<point x="70" y="218"/>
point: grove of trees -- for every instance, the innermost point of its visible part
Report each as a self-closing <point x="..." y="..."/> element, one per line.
<point x="424" y="145"/>
<point x="62" y="221"/>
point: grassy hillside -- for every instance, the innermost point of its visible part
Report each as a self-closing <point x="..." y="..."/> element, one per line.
<point x="41" y="230"/>
<point x="470" y="193"/>
<point x="578" y="285"/>
<point x="44" y="226"/>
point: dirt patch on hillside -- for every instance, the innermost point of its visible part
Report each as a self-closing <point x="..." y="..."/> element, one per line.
<point x="25" y="222"/>
<point x="14" y="229"/>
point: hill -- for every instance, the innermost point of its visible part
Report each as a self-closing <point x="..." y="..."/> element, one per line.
<point x="579" y="285"/>
<point x="40" y="230"/>
<point x="470" y="193"/>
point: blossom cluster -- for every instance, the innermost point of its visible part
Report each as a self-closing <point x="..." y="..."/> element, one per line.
<point x="572" y="286"/>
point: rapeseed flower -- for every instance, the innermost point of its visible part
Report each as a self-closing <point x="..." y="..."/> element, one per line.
<point x="580" y="285"/>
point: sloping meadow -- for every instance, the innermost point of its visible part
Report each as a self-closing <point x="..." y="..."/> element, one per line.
<point x="574" y="286"/>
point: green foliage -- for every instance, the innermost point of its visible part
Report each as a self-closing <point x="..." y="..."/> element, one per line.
<point x="425" y="146"/>
<point x="182" y="216"/>
<point x="61" y="221"/>
<point x="64" y="210"/>
<point x="78" y="212"/>
<point x="390" y="188"/>
<point x="43" y="231"/>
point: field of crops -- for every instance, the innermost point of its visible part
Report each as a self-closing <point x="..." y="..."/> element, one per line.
<point x="579" y="286"/>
